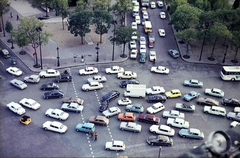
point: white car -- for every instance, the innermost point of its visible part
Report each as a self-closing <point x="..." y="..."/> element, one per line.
<point x="114" y="70"/>
<point x="142" y="40"/>
<point x="143" y="21"/>
<point x="161" y="32"/>
<point x="177" y="122"/>
<point x="152" y="55"/>
<point x="136" y="4"/>
<point x="124" y="101"/>
<point x="155" y="108"/>
<point x="214" y="92"/>
<point x="162" y="129"/>
<point x="215" y="110"/>
<point x="153" y="5"/>
<point x="155" y="90"/>
<point x="18" y="83"/>
<point x="130" y="126"/>
<point x="55" y="126"/>
<point x="92" y="86"/>
<point x="57" y="114"/>
<point x="173" y="114"/>
<point x="14" y="71"/>
<point x="236" y="109"/>
<point x="49" y="73"/>
<point x="134" y="25"/>
<point x="145" y="15"/>
<point x="143" y="49"/>
<point x="16" y="108"/>
<point x="111" y="112"/>
<point x="32" y="79"/>
<point x="160" y="4"/>
<point x="133" y="44"/>
<point x="138" y="19"/>
<point x="127" y="74"/>
<point x="30" y="103"/>
<point x="162" y="15"/>
<point x="134" y="35"/>
<point x="160" y="69"/>
<point x="134" y="1"/>
<point x="88" y="71"/>
<point x="133" y="54"/>
<point x="97" y="78"/>
<point x="115" y="145"/>
<point x="234" y="124"/>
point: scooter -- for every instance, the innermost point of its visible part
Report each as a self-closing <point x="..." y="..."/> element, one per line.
<point x="13" y="61"/>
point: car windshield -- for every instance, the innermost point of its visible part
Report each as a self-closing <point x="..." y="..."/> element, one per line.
<point x="61" y="127"/>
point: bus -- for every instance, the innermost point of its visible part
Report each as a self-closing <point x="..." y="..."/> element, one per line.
<point x="230" y="73"/>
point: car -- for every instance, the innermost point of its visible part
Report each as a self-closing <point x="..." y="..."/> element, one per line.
<point x="130" y="81"/>
<point x="191" y="133"/>
<point x="14" y="71"/>
<point x="18" y="83"/>
<point x="97" y="78"/>
<point x="73" y="100"/>
<point x="115" y="145"/>
<point x="16" y="108"/>
<point x="110" y="96"/>
<point x="153" y="5"/>
<point x="57" y="114"/>
<point x="215" y="110"/>
<point x="173" y="114"/>
<point x="134" y="35"/>
<point x="160" y="70"/>
<point x="88" y="71"/>
<point x="25" y="120"/>
<point x="114" y="70"/>
<point x="191" y="95"/>
<point x="145" y="15"/>
<point x="142" y="40"/>
<point x="85" y="127"/>
<point x="55" y="126"/>
<point x="73" y="107"/>
<point x="127" y="116"/>
<point x="150" y="44"/>
<point x="101" y="120"/>
<point x="111" y="112"/>
<point x="92" y="86"/>
<point x="160" y="4"/>
<point x="32" y="79"/>
<point x="173" y="53"/>
<point x="234" y="124"/>
<point x="30" y="103"/>
<point x="53" y="94"/>
<point x="130" y="126"/>
<point x="135" y="108"/>
<point x="143" y="49"/>
<point x="134" y="1"/>
<point x="134" y="25"/>
<point x="231" y="102"/>
<point x="133" y="54"/>
<point x="5" y="53"/>
<point x="161" y="32"/>
<point x="136" y="4"/>
<point x="173" y="93"/>
<point x="162" y="15"/>
<point x="155" y="108"/>
<point x="149" y="118"/>
<point x="207" y="101"/>
<point x="160" y="140"/>
<point x="234" y="116"/>
<point x="49" y="73"/>
<point x="236" y="109"/>
<point x="144" y="9"/>
<point x="214" y="92"/>
<point x="103" y="106"/>
<point x="127" y="74"/>
<point x="193" y="83"/>
<point x="49" y="86"/>
<point x="156" y="98"/>
<point x="124" y="101"/>
<point x="162" y="129"/>
<point x="151" y="37"/>
<point x="142" y="58"/>
<point x="133" y="44"/>
<point x="177" y="122"/>
<point x="185" y="107"/>
<point x="152" y="55"/>
<point x="63" y="78"/>
<point x="155" y="90"/>
<point x="143" y="21"/>
<point x="138" y="19"/>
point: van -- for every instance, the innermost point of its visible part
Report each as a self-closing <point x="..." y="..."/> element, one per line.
<point x="148" y="27"/>
<point x="6" y="53"/>
<point x="215" y="110"/>
<point x="135" y="11"/>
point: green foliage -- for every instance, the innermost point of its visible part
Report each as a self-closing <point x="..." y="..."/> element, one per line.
<point x="40" y="3"/>
<point x="236" y="4"/>
<point x="187" y="35"/>
<point x="8" y="26"/>
<point x="82" y="5"/>
<point x="235" y="42"/>
<point x="175" y="4"/>
<point x="101" y="5"/>
<point x="61" y="7"/>
<point x="4" y="7"/>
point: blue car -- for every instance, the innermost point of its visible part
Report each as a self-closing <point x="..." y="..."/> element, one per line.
<point x="135" y="108"/>
<point x="173" y="53"/>
<point x="86" y="127"/>
<point x="142" y="58"/>
<point x="191" y="133"/>
<point x="191" y="95"/>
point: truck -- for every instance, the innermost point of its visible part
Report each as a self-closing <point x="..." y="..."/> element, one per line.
<point x="133" y="90"/>
<point x="145" y="3"/>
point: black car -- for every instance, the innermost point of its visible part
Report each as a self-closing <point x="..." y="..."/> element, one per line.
<point x="130" y="81"/>
<point x="63" y="78"/>
<point x="110" y="96"/>
<point x="49" y="86"/>
<point x="157" y="98"/>
<point x="53" y="94"/>
<point x="104" y="106"/>
<point x="160" y="140"/>
<point x="231" y="102"/>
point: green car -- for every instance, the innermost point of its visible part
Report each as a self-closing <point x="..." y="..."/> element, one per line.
<point x="142" y="58"/>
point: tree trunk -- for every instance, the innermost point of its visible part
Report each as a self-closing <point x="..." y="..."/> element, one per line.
<point x="46" y="10"/>
<point x="124" y="49"/>
<point x="235" y="57"/>
<point x="82" y="39"/>
<point x="214" y="46"/>
<point x="62" y="24"/>
<point x="187" y="48"/>
<point x="100" y="38"/>
<point x="3" y="27"/>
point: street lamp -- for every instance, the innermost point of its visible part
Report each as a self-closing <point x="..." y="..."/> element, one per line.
<point x="39" y="29"/>
<point x="97" y="48"/>
<point x="160" y="149"/>
<point x="58" y="64"/>
<point x="225" y="54"/>
<point x="114" y="22"/>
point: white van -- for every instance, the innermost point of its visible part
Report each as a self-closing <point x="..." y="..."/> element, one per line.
<point x="148" y="27"/>
<point x="135" y="11"/>
<point x="215" y="110"/>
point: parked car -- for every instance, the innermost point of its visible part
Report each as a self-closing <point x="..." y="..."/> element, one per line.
<point x="25" y="120"/>
<point x="143" y="21"/>
<point x="143" y="48"/>
<point x="151" y="37"/>
<point x="151" y="44"/>
<point x="130" y="81"/>
<point x="103" y="106"/>
<point x="127" y="116"/>
<point x="18" y="83"/>
<point x="124" y="101"/>
<point x="153" y="5"/>
<point x="134" y="35"/>
<point x="101" y="120"/>
<point x="160" y="70"/>
<point x="88" y="71"/>
<point x="133" y="44"/>
<point x="207" y="101"/>
<point x="138" y="19"/>
<point x="231" y="102"/>
<point x="142" y="58"/>
<point x="127" y="74"/>
<point x="160" y="140"/>
<point x="236" y="109"/>
<point x="185" y="107"/>
<point x="215" y="110"/>
<point x="191" y="133"/>
<point x="111" y="112"/>
<point x="57" y="114"/>
<point x="49" y="73"/>
<point x="115" y="145"/>
<point x="161" y="32"/>
<point x="63" y="78"/>
<point x="155" y="90"/>
<point x="177" y="122"/>
<point x="32" y="79"/>
<point x="114" y="70"/>
<point x="134" y="25"/>
<point x="173" y="53"/>
<point x="85" y="127"/>
<point x="55" y="126"/>
<point x="149" y="118"/>
<point x="191" y="95"/>
<point x="142" y="40"/>
<point x="5" y="53"/>
<point x="193" y="83"/>
<point x="144" y="9"/>
<point x="155" y="108"/>
<point x="92" y="86"/>
<point x="152" y="55"/>
<point x="30" y="103"/>
<point x="97" y="78"/>
<point x="73" y="100"/>
<point x="162" y="129"/>
<point x="173" y="114"/>
<point x="110" y="96"/>
<point x="53" y="94"/>
<point x="160" y="4"/>
<point x="135" y="108"/>
<point x="145" y="15"/>
<point x="130" y="126"/>
<point x="16" y="108"/>
<point x="14" y="71"/>
<point x="156" y="98"/>
<point x="49" y="86"/>
<point x="133" y="54"/>
<point x="173" y="93"/>
<point x="214" y="92"/>
<point x="234" y="124"/>
<point x="73" y="107"/>
<point x="162" y="15"/>
<point x="234" y="116"/>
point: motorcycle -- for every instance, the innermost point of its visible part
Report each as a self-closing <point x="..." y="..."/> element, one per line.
<point x="13" y="61"/>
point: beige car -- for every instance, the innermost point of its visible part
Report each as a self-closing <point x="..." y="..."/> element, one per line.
<point x="127" y="74"/>
<point x="101" y="120"/>
<point x="207" y="101"/>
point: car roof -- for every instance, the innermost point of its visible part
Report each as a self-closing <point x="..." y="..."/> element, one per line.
<point x="162" y="137"/>
<point x="15" y="104"/>
<point x="217" y="90"/>
<point x="99" y="117"/>
<point x="57" y="111"/>
<point x="17" y="81"/>
<point x="150" y="116"/>
<point x="194" y="130"/>
<point x="165" y="127"/>
<point x="55" y="123"/>
<point x="137" y="105"/>
<point x="175" y="90"/>
<point x="218" y="108"/>
<point x="131" y="123"/>
<point x="94" y="83"/>
<point x="157" y="105"/>
<point x="113" y="108"/>
<point x="128" y="114"/>
<point x="48" y="70"/>
<point x="90" y="125"/>
<point x="118" y="142"/>
<point x="115" y="67"/>
<point x="175" y="112"/>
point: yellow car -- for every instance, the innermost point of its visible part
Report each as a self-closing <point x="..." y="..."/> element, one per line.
<point x="144" y="9"/>
<point x="25" y="120"/>
<point x="173" y="93"/>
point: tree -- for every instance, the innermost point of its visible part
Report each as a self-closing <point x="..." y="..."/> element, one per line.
<point x="123" y="35"/>
<point x="61" y="7"/>
<point x="102" y="19"/>
<point x="236" y="4"/>
<point x="79" y="23"/>
<point x="40" y="3"/>
<point x="9" y="29"/>
<point x="4" y="8"/>
<point x="235" y="44"/>
<point x="101" y="5"/>
<point x="82" y="5"/>
<point x="175" y="4"/>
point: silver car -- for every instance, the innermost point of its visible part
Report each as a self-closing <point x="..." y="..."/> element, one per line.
<point x="214" y="92"/>
<point x="18" y="83"/>
<point x="130" y="126"/>
<point x="111" y="112"/>
<point x="173" y="114"/>
<point x="162" y="129"/>
<point x="97" y="78"/>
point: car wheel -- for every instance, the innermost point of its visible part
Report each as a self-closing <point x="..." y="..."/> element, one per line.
<point x="183" y="136"/>
<point x="232" y="79"/>
<point x="43" y="76"/>
<point x="169" y="144"/>
<point x="128" y="110"/>
<point x="77" y="130"/>
<point x="120" y="119"/>
<point x="108" y="73"/>
<point x="169" y="125"/>
<point x="46" y="128"/>
<point x="47" y="115"/>
<point x="152" y="144"/>
<point x="46" y="98"/>
<point x="120" y="77"/>
<point x="206" y="112"/>
<point x="122" y="129"/>
<point x="165" y="117"/>
<point x="60" y="97"/>
<point x="149" y="101"/>
<point x="86" y="90"/>
<point x="107" y="149"/>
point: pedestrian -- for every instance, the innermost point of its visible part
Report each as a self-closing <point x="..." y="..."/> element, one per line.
<point x="95" y="135"/>
<point x="154" y="60"/>
<point x="92" y="133"/>
<point x="11" y="14"/>
<point x="17" y="17"/>
<point x="82" y="58"/>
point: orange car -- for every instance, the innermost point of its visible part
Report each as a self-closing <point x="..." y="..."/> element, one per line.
<point x="127" y="116"/>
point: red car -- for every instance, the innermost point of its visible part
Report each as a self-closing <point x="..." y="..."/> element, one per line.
<point x="150" y="44"/>
<point x="148" y="118"/>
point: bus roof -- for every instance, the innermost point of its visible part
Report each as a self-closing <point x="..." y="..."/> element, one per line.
<point x="231" y="68"/>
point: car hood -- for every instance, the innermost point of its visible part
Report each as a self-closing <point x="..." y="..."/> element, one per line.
<point x="231" y="114"/>
<point x="152" y="139"/>
<point x="183" y="132"/>
<point x="108" y="144"/>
